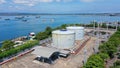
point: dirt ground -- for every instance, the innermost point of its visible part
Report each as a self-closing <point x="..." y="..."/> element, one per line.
<point x="73" y="61"/>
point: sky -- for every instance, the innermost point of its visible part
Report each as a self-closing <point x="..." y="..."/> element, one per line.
<point x="60" y="6"/>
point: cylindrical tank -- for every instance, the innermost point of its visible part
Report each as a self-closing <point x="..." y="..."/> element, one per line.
<point x="63" y="39"/>
<point x="79" y="31"/>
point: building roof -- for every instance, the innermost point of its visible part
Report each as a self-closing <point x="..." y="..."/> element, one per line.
<point x="75" y="27"/>
<point x="62" y="32"/>
<point x="32" y="33"/>
<point x="46" y="51"/>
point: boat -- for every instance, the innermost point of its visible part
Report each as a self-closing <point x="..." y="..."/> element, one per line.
<point x="19" y="17"/>
<point x="37" y="16"/>
<point x="52" y="20"/>
<point x="7" y="19"/>
<point x="44" y="20"/>
<point x="24" y="20"/>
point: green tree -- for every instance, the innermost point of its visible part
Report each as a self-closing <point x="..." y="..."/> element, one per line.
<point x="7" y="45"/>
<point x="103" y="56"/>
<point x="63" y="26"/>
<point x="108" y="48"/>
<point x="95" y="61"/>
<point x="41" y="35"/>
<point x="48" y="30"/>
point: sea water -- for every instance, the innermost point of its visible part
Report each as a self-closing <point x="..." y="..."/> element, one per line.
<point x="13" y="28"/>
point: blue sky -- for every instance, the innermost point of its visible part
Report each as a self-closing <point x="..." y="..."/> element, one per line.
<point x="60" y="6"/>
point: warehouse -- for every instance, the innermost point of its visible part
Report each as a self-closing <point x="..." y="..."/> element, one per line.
<point x="49" y="55"/>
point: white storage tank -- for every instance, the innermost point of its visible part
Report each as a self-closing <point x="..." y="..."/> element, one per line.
<point x="79" y="31"/>
<point x="63" y="39"/>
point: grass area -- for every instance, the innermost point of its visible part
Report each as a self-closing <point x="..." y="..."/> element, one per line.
<point x="18" y="49"/>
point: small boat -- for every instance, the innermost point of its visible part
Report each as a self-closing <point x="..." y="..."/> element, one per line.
<point x="43" y="20"/>
<point x="37" y="16"/>
<point x="52" y="20"/>
<point x="24" y="20"/>
<point x="7" y="19"/>
<point x="27" y="16"/>
<point x="19" y="17"/>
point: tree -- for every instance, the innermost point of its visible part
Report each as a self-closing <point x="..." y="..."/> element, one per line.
<point x="7" y="45"/>
<point x="108" y="48"/>
<point x="103" y="56"/>
<point x="41" y="35"/>
<point x="0" y="50"/>
<point x="48" y="30"/>
<point x="95" y="61"/>
<point x="63" y="26"/>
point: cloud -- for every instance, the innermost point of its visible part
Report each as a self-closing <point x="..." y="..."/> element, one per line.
<point x="67" y="0"/>
<point x="15" y="7"/>
<point x="25" y="2"/>
<point x="2" y="1"/>
<point x="87" y="0"/>
<point x="34" y="2"/>
<point x="30" y="2"/>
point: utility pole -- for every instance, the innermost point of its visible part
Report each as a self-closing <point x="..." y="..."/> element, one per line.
<point x="116" y="25"/>
<point x="106" y="36"/>
<point x="94" y="27"/>
<point x="107" y="24"/>
<point x="97" y="41"/>
<point x="98" y="32"/>
<point x="85" y="56"/>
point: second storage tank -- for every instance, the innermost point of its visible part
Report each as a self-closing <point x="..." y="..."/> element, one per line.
<point x="79" y="31"/>
<point x="63" y="39"/>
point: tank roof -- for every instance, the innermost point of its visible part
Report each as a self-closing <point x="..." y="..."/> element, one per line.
<point x="63" y="32"/>
<point x="75" y="27"/>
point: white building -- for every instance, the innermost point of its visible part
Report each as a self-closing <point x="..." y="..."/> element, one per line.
<point x="32" y="35"/>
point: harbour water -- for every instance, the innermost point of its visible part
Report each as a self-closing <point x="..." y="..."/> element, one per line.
<point x="10" y="27"/>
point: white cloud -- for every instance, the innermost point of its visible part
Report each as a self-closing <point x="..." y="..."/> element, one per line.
<point x="87" y="0"/>
<point x="25" y="2"/>
<point x="58" y="0"/>
<point x="15" y="8"/>
<point x="30" y="2"/>
<point x="2" y="1"/>
<point x="67" y="0"/>
<point x="34" y="2"/>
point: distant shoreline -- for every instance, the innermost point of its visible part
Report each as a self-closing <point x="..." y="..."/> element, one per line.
<point x="96" y="14"/>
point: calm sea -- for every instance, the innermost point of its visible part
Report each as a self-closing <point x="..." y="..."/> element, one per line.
<point x="14" y="28"/>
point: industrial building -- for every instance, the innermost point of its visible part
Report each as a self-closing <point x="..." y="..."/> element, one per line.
<point x="79" y="31"/>
<point x="63" y="39"/>
<point x="49" y="54"/>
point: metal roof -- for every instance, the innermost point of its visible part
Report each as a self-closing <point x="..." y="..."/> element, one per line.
<point x="75" y="27"/>
<point x="62" y="32"/>
<point x="46" y="51"/>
